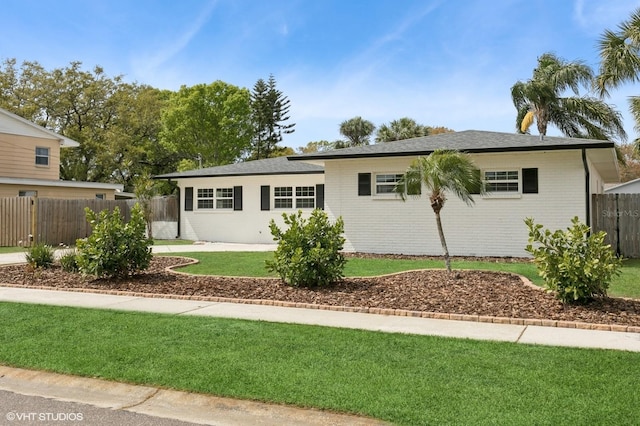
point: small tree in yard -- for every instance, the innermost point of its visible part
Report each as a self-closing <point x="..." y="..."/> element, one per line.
<point x="309" y="251"/>
<point x="114" y="249"/>
<point x="442" y="171"/>
<point x="576" y="266"/>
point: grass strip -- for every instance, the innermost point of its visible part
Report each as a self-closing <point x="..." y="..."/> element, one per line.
<point x="404" y="379"/>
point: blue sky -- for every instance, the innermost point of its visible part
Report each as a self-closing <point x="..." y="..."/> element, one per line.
<point x="441" y="62"/>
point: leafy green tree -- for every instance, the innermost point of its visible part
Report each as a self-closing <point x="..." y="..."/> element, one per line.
<point x="317" y="146"/>
<point x="442" y="171"/>
<point x="116" y="123"/>
<point x="211" y="122"/>
<point x="357" y="131"/>
<point x="403" y="128"/>
<point x="269" y="112"/>
<point x="541" y="99"/>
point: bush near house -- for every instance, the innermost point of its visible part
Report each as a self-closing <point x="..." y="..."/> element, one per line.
<point x="114" y="249"/>
<point x="576" y="265"/>
<point x="309" y="251"/>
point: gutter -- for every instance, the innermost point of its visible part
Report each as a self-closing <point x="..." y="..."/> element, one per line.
<point x="587" y="181"/>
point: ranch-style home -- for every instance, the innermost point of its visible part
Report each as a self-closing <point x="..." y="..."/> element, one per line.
<point x="550" y="179"/>
<point x="30" y="163"/>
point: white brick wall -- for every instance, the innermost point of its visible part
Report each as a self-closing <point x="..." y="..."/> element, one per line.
<point x="251" y="225"/>
<point x="491" y="227"/>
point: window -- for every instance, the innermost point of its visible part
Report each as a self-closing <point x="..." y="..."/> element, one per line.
<point x="305" y="197"/>
<point x="224" y="198"/>
<point x="101" y="196"/>
<point x="205" y="198"/>
<point x="502" y="181"/>
<point x="42" y="156"/>
<point x="27" y="193"/>
<point x="385" y="183"/>
<point x="282" y="197"/>
<point x="218" y="198"/>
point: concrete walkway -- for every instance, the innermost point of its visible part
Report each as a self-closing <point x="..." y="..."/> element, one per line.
<point x="521" y="334"/>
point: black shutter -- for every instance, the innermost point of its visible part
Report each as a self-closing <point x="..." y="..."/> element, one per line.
<point x="237" y="198"/>
<point x="320" y="196"/>
<point x="364" y="183"/>
<point x="530" y="181"/>
<point x="188" y="199"/>
<point x="265" y="198"/>
<point x="475" y="189"/>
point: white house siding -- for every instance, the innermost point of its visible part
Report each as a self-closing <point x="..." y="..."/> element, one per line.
<point x="493" y="226"/>
<point x="251" y="224"/>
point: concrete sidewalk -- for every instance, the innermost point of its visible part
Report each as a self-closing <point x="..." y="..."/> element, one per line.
<point x="554" y="336"/>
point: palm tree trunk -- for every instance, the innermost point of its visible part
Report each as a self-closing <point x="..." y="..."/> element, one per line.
<point x="445" y="250"/>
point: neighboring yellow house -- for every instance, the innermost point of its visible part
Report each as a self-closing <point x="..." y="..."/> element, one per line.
<point x="30" y="163"/>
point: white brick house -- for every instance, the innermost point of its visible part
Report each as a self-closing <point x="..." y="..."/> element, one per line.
<point x="550" y="180"/>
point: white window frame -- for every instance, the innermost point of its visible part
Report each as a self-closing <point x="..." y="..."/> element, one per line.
<point x="501" y="176"/>
<point x="211" y="199"/>
<point x="298" y="197"/>
<point x="101" y="196"/>
<point x="43" y="152"/>
<point x="27" y="193"/>
<point x="224" y="198"/>
<point x="388" y="183"/>
<point x="282" y="197"/>
<point x="305" y="197"/>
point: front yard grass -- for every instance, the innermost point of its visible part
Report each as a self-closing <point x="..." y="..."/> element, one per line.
<point x="251" y="264"/>
<point x="404" y="379"/>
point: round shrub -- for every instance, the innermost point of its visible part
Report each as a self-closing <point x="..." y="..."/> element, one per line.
<point x="309" y="251"/>
<point x="576" y="265"/>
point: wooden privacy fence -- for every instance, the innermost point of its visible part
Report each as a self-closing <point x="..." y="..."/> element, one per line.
<point x="24" y="220"/>
<point x="619" y="216"/>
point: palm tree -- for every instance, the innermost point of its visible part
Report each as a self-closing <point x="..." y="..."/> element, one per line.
<point x="397" y="130"/>
<point x="442" y="171"/>
<point x="620" y="61"/>
<point x="541" y="99"/>
<point x="357" y="131"/>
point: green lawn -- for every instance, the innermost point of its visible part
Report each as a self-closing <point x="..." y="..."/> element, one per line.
<point x="172" y="242"/>
<point x="252" y="264"/>
<point x="11" y="249"/>
<point x="404" y="379"/>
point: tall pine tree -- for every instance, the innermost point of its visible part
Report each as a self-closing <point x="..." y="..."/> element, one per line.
<point x="269" y="112"/>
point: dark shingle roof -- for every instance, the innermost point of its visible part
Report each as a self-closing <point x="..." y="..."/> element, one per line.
<point x="268" y="166"/>
<point x="472" y="141"/>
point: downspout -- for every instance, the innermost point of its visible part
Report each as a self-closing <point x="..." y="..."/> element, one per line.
<point x="587" y="182"/>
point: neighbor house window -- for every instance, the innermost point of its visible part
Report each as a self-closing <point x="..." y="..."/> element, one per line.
<point x="27" y="193"/>
<point x="42" y="156"/>
<point x="101" y="196"/>
<point x="502" y="181"/>
<point x="305" y="197"/>
<point x="215" y="198"/>
<point x="385" y="183"/>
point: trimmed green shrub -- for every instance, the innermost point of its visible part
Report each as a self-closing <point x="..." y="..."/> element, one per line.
<point x="575" y="265"/>
<point x="69" y="261"/>
<point x="114" y="249"/>
<point x="40" y="255"/>
<point x="309" y="251"/>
